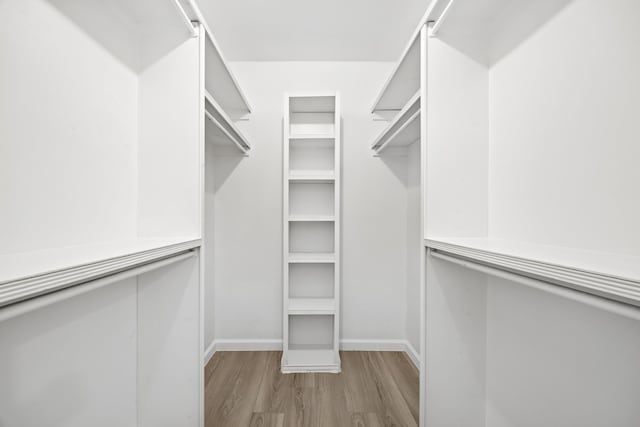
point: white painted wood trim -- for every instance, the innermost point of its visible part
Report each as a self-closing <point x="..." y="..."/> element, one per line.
<point x="226" y="125"/>
<point x="409" y="113"/>
<point x="23" y="307"/>
<point x="345" y="345"/>
<point x="612" y="287"/>
<point x="196" y="15"/>
<point x="416" y="33"/>
<point x="31" y="286"/>
<point x="208" y="353"/>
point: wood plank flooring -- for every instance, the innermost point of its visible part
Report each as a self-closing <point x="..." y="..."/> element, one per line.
<point x="375" y="389"/>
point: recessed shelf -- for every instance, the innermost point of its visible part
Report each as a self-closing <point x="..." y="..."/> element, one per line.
<point x="311" y="258"/>
<point x="312" y="176"/>
<point x="608" y="275"/>
<point x="222" y="130"/>
<point x="311" y="306"/>
<point x="403" y="130"/>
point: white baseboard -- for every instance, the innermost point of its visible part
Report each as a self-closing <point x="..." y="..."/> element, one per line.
<point x="345" y="345"/>
<point x="208" y="353"/>
<point x="413" y="354"/>
<point x="372" y="345"/>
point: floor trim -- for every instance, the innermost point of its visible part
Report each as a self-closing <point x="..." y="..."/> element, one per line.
<point x="345" y="345"/>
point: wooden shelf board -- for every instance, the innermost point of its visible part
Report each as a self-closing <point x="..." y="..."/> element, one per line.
<point x="612" y="276"/>
<point x="311" y="258"/>
<point x="29" y="274"/>
<point x="403" y="130"/>
<point x="311" y="176"/>
<point x="311" y="360"/>
<point x="221" y="129"/>
<point x="312" y="306"/>
<point x="312" y="218"/>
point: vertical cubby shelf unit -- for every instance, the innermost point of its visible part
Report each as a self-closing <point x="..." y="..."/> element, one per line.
<point x="311" y="233"/>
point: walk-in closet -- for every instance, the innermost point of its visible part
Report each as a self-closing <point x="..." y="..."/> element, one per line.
<point x="419" y="213"/>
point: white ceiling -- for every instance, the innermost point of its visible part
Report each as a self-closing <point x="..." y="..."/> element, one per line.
<point x="319" y="30"/>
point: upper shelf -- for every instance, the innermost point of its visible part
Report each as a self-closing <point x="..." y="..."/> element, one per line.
<point x="404" y="80"/>
<point x="30" y="274"/>
<point x="222" y="130"/>
<point x="403" y="130"/>
<point x="219" y="80"/>
<point x="608" y="275"/>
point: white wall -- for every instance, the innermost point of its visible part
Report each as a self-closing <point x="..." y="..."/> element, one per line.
<point x="248" y="212"/>
<point x="72" y="363"/>
<point x="564" y="131"/>
<point x="125" y="354"/>
<point x="60" y="120"/>
<point x="552" y="361"/>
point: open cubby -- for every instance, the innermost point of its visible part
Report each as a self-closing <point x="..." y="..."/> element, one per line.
<point x="311" y="332"/>
<point x="312" y="154"/>
<point x="307" y="198"/>
<point x="315" y="237"/>
<point x="311" y="280"/>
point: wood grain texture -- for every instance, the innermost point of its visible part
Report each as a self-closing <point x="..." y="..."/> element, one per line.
<point x="375" y="389"/>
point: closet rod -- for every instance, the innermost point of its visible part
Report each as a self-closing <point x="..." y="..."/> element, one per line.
<point x="185" y="18"/>
<point x="36" y="303"/>
<point x="219" y="126"/>
<point x="568" y="293"/>
<point x="435" y="26"/>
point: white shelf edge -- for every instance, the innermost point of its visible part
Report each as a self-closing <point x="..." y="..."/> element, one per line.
<point x="311" y="306"/>
<point x="311" y="258"/>
<point x="238" y="139"/>
<point x="404" y="118"/>
<point x="615" y="287"/>
<point x="197" y="16"/>
<point x="312" y="218"/>
<point x="42" y="283"/>
<point x="312" y="136"/>
<point x="320" y="360"/>
<point x="311" y="176"/>
<point x="415" y="35"/>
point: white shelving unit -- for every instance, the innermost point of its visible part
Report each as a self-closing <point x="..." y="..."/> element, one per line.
<point x="532" y="268"/>
<point x="402" y="103"/>
<point x="101" y="226"/>
<point x="311" y="233"/>
<point x="221" y="130"/>
<point x="403" y="130"/>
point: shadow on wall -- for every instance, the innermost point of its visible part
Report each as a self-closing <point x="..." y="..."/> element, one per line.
<point x="491" y="38"/>
<point x="137" y="45"/>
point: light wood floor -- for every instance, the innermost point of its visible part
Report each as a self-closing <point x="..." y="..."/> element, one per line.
<point x="246" y="389"/>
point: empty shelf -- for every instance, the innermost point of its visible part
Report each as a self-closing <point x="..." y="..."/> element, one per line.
<point x="311" y="176"/>
<point x="404" y="80"/>
<point x="29" y="274"/>
<point x="311" y="360"/>
<point x="611" y="276"/>
<point x="330" y="135"/>
<point x="404" y="129"/>
<point x="311" y="258"/>
<point x="223" y="130"/>
<point x="311" y="218"/>
<point x="311" y="306"/>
